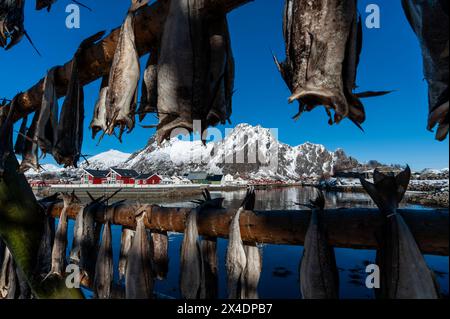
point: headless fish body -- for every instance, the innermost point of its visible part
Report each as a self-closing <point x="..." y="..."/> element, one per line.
<point x="139" y="278"/>
<point x="149" y="96"/>
<point x="9" y="288"/>
<point x="210" y="266"/>
<point x="323" y="42"/>
<point x="69" y="132"/>
<point x="19" y="147"/>
<point x="319" y="277"/>
<point x="160" y="256"/>
<point x="124" y="76"/>
<point x="99" y="119"/>
<point x="48" y="115"/>
<point x="104" y="270"/>
<point x="430" y="22"/>
<point x="125" y="245"/>
<point x="404" y="272"/>
<point x="30" y="158"/>
<point x="77" y="238"/>
<point x="221" y="72"/>
<point x="195" y="69"/>
<point x="45" y="249"/>
<point x="236" y="260"/>
<point x="191" y="270"/>
<point x="60" y="244"/>
<point x="89" y="240"/>
<point x="252" y="272"/>
<point x="67" y="150"/>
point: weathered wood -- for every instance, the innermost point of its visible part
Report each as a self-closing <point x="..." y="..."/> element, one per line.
<point x="21" y="228"/>
<point x="347" y="228"/>
<point x="96" y="60"/>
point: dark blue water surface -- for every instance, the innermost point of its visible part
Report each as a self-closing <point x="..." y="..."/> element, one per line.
<point x="279" y="278"/>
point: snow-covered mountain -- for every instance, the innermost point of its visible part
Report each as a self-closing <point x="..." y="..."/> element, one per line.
<point x="106" y="160"/>
<point x="102" y="161"/>
<point x="248" y="151"/>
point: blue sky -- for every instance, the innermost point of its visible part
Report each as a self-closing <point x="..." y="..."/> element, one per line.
<point x="395" y="130"/>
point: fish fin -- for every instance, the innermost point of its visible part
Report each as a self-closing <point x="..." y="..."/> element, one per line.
<point x="378" y="177"/>
<point x="31" y="42"/>
<point x="368" y="94"/>
<point x="402" y="180"/>
<point x="249" y="200"/>
<point x="358" y="125"/>
<point x="319" y="202"/>
<point x="80" y="4"/>
<point x="371" y="190"/>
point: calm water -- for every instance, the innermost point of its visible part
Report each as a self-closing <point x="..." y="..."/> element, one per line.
<point x="279" y="278"/>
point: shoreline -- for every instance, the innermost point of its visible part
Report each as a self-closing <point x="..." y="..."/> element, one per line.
<point x="433" y="198"/>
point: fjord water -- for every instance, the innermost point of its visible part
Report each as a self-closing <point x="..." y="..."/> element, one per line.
<point x="279" y="278"/>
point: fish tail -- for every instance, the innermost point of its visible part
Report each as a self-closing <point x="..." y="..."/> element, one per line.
<point x="136" y="4"/>
<point x="388" y="190"/>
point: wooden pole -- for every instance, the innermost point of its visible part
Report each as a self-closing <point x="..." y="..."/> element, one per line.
<point x="96" y="60"/>
<point x="347" y="228"/>
<point x="21" y="228"/>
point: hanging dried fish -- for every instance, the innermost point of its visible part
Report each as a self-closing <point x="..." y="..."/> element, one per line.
<point x="19" y="147"/>
<point x="6" y="134"/>
<point x="44" y="259"/>
<point x="323" y="43"/>
<point x="221" y="72"/>
<point x="48" y="115"/>
<point x="104" y="270"/>
<point x="404" y="272"/>
<point x="160" y="257"/>
<point x="74" y="255"/>
<point x="236" y="259"/>
<point x="98" y="122"/>
<point x="430" y="22"/>
<point x="30" y="159"/>
<point x="210" y="289"/>
<point x="149" y="96"/>
<point x="195" y="69"/>
<point x="319" y="277"/>
<point x="24" y="287"/>
<point x="252" y="272"/>
<point x="121" y="100"/>
<point x="89" y="239"/>
<point x="9" y="288"/>
<point x="69" y="133"/>
<point x="60" y="244"/>
<point x="191" y="270"/>
<point x="125" y="245"/>
<point x="138" y="277"/>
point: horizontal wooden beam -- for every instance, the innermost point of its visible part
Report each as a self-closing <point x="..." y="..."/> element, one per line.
<point x="96" y="60"/>
<point x="347" y="228"/>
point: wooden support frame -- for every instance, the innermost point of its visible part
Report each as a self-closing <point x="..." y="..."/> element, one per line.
<point x="347" y="228"/>
<point x="95" y="61"/>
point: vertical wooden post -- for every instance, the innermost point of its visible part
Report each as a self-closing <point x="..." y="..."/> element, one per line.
<point x="21" y="228"/>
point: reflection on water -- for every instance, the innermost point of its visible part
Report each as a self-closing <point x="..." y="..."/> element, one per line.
<point x="279" y="278"/>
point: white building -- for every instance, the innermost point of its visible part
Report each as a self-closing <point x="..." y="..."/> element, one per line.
<point x="228" y="179"/>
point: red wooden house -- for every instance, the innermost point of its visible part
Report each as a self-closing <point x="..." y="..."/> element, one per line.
<point x="148" y="179"/>
<point x="94" y="176"/>
<point x="122" y="176"/>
